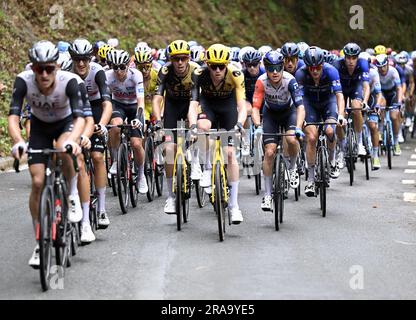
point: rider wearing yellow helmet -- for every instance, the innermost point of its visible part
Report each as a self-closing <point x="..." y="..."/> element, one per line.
<point x="219" y="88"/>
<point x="380" y="49"/>
<point x="102" y="55"/>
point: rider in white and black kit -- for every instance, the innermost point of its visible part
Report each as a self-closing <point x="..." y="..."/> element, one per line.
<point x="57" y="115"/>
<point x="99" y="96"/>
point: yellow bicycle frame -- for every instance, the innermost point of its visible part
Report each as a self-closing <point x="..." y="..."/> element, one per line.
<point x="179" y="152"/>
<point x="218" y="156"/>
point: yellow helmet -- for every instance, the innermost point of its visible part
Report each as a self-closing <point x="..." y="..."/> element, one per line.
<point x="341" y="53"/>
<point x="143" y="56"/>
<point x="103" y="50"/>
<point x="380" y="49"/>
<point x="217" y="54"/>
<point x="178" y="47"/>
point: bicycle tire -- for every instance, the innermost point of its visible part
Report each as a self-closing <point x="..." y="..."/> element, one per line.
<point x="63" y="231"/>
<point x="159" y="174"/>
<point x="200" y="194"/>
<point x="257" y="179"/>
<point x="389" y="144"/>
<point x="219" y="208"/>
<point x="149" y="168"/>
<point x="350" y="158"/>
<point x="282" y="187"/>
<point x="178" y="193"/>
<point x="322" y="180"/>
<point x="45" y="236"/>
<point x="133" y="180"/>
<point x="367" y="155"/>
<point x="122" y="178"/>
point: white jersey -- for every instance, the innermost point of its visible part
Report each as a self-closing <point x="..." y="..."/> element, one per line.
<point x="92" y="87"/>
<point x="375" y="86"/>
<point x="53" y="107"/>
<point x="28" y="66"/>
<point x="391" y="80"/>
<point x="129" y="90"/>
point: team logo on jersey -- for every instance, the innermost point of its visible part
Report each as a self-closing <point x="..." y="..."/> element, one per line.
<point x="198" y="71"/>
<point x="165" y="70"/>
<point x="236" y="73"/>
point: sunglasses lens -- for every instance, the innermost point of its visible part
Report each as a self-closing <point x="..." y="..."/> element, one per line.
<point x="252" y="65"/>
<point x="121" y="67"/>
<point x="144" y="66"/>
<point x="218" y="66"/>
<point x="41" y="69"/>
<point x="273" y="68"/>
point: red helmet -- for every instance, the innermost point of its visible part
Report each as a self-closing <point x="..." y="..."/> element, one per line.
<point x="389" y="51"/>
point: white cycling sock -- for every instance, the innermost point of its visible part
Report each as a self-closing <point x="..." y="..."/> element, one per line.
<point x="141" y="171"/>
<point x="311" y="174"/>
<point x="359" y="136"/>
<point x="293" y="162"/>
<point x="375" y="152"/>
<point x="101" y="199"/>
<point x="85" y="213"/>
<point x="332" y="154"/>
<point x="233" y="203"/>
<point x="169" y="182"/>
<point x="73" y="186"/>
<point x="267" y="185"/>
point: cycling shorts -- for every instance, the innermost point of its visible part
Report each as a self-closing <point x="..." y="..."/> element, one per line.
<point x="354" y="93"/>
<point x="129" y="112"/>
<point x="273" y="120"/>
<point x="223" y="114"/>
<point x="320" y="111"/>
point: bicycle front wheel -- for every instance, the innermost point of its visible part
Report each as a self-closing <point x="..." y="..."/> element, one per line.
<point x="350" y="155"/>
<point x="219" y="200"/>
<point x="322" y="162"/>
<point x="389" y="143"/>
<point x="46" y="212"/>
<point x="149" y="168"/>
<point x="178" y="193"/>
<point x="123" y="177"/>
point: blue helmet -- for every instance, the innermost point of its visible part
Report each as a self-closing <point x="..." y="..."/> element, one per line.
<point x="63" y="46"/>
<point x="314" y="57"/>
<point x="252" y="57"/>
<point x="290" y="49"/>
<point x="273" y="58"/>
<point x="352" y="49"/>
<point x="331" y="58"/>
<point x="234" y="51"/>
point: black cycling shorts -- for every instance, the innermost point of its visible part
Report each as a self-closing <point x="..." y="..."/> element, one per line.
<point x="128" y="111"/>
<point x="43" y="134"/>
<point x="223" y="114"/>
<point x="273" y="120"/>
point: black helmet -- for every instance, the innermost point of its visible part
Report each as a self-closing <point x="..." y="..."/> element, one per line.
<point x="352" y="49"/>
<point x="290" y="49"/>
<point x="313" y="57"/>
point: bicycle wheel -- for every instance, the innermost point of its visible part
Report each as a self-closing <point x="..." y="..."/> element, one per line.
<point x="367" y="155"/>
<point x="219" y="208"/>
<point x="149" y="168"/>
<point x="178" y="193"/>
<point x="257" y="179"/>
<point x="159" y="174"/>
<point x="389" y="143"/>
<point x="46" y="212"/>
<point x="350" y="155"/>
<point x="123" y="177"/>
<point x="322" y="177"/>
<point x="282" y="187"/>
<point x="112" y="180"/>
<point x="63" y="229"/>
<point x="133" y="180"/>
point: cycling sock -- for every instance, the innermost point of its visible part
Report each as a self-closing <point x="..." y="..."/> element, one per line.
<point x="234" y="195"/>
<point x="141" y="171"/>
<point x="331" y="155"/>
<point x="114" y="154"/>
<point x="396" y="139"/>
<point x="34" y="222"/>
<point x="311" y="174"/>
<point x="359" y="136"/>
<point x="268" y="185"/>
<point x="169" y="182"/>
<point x="195" y="158"/>
<point x="375" y="152"/>
<point x="73" y="186"/>
<point x="343" y="144"/>
<point x="292" y="164"/>
<point x="85" y="213"/>
<point x="101" y="199"/>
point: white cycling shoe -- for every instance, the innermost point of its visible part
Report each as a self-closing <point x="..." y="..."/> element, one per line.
<point x="236" y="216"/>
<point x="34" y="260"/>
<point x="87" y="236"/>
<point x="170" y="206"/>
<point x="75" y="210"/>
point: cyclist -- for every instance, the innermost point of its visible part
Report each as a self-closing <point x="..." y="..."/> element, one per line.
<point x="252" y="72"/>
<point x="126" y="87"/>
<point x="290" y="52"/>
<point x="143" y="60"/>
<point x="392" y="92"/>
<point x="408" y="86"/>
<point x="197" y="54"/>
<point x="354" y="76"/>
<point x="219" y="88"/>
<point x="99" y="97"/>
<point x="264" y="49"/>
<point x="374" y="104"/>
<point x="87" y="235"/>
<point x="174" y="88"/>
<point x="102" y="56"/>
<point x="57" y="114"/>
<point x="321" y="89"/>
<point x="283" y="106"/>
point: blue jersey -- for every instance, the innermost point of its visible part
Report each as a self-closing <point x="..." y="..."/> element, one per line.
<point x="301" y="64"/>
<point x="329" y="84"/>
<point x="401" y="73"/>
<point x="359" y="75"/>
<point x="250" y="83"/>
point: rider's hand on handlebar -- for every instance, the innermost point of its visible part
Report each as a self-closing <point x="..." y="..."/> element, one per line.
<point x="76" y="149"/>
<point x="299" y="133"/>
<point x="239" y="127"/>
<point x="100" y="130"/>
<point x="136" y="124"/>
<point x="259" y="131"/>
<point x="85" y="142"/>
<point x="341" y="120"/>
<point x="17" y="154"/>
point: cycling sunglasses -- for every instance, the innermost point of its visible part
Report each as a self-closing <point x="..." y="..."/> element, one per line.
<point x="252" y="65"/>
<point x="291" y="59"/>
<point x="120" y="66"/>
<point x="143" y="66"/>
<point x="274" y="67"/>
<point x="84" y="59"/>
<point x="179" y="58"/>
<point x="315" y="68"/>
<point x="40" y="69"/>
<point x="217" y="66"/>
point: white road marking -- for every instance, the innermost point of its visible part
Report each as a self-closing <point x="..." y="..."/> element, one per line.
<point x="408" y="181"/>
<point x="413" y="156"/>
<point x="406" y="243"/>
<point x="411" y="163"/>
<point x="409" y="197"/>
<point x="410" y="171"/>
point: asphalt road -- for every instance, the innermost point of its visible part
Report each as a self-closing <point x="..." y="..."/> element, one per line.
<point x="363" y="249"/>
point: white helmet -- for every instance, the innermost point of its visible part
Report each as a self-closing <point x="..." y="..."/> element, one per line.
<point x="142" y="46"/>
<point x="43" y="52"/>
<point x="243" y="51"/>
<point x="364" y="55"/>
<point x="65" y="61"/>
<point x="264" y="49"/>
<point x="118" y="57"/>
<point x="197" y="53"/>
<point x="81" y="48"/>
<point x="413" y="55"/>
<point x="113" y="42"/>
<point x="303" y="46"/>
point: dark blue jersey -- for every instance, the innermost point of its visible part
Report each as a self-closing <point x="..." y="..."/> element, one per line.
<point x="250" y="83"/>
<point x="359" y="75"/>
